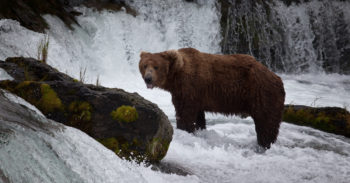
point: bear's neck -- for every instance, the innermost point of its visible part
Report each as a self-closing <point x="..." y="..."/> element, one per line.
<point x="173" y="82"/>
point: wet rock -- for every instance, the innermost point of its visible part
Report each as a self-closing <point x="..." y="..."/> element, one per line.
<point x="29" y="13"/>
<point x="171" y="168"/>
<point x="144" y="136"/>
<point x="329" y="119"/>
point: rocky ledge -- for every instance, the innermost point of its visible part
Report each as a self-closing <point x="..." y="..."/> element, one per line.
<point x="126" y="123"/>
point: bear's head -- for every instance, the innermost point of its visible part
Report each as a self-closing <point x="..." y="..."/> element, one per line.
<point x="155" y="67"/>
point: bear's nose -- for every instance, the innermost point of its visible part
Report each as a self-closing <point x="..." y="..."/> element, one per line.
<point x="148" y="79"/>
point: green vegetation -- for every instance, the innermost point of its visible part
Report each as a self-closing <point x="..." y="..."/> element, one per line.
<point x="125" y="114"/>
<point x="49" y="101"/>
<point x="43" y="49"/>
<point x="80" y="111"/>
<point x="111" y="143"/>
<point x="79" y="115"/>
<point x="305" y="117"/>
<point x="156" y="149"/>
<point x="82" y="74"/>
<point x="98" y="80"/>
<point x="123" y="148"/>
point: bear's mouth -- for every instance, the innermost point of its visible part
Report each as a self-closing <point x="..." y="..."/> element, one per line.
<point x="150" y="86"/>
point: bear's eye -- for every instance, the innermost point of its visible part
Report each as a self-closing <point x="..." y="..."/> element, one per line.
<point x="145" y="66"/>
<point x="156" y="68"/>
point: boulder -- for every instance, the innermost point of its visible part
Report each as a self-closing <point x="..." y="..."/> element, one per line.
<point x="126" y="123"/>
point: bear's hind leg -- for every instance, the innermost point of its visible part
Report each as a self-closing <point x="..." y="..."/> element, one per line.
<point x="200" y="123"/>
<point x="266" y="131"/>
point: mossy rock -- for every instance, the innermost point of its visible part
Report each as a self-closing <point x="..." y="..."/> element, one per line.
<point x="28" y="90"/>
<point x="156" y="148"/>
<point x="329" y="119"/>
<point x="39" y="94"/>
<point x="125" y="114"/>
<point x="126" y="123"/>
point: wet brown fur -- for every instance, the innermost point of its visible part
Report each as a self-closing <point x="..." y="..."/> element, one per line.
<point x="227" y="84"/>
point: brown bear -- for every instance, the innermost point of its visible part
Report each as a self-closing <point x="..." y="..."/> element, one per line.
<point x="228" y="84"/>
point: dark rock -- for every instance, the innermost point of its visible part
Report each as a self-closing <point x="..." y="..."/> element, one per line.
<point x="100" y="5"/>
<point x="171" y="168"/>
<point x="89" y="108"/>
<point x="29" y="13"/>
<point x="329" y="119"/>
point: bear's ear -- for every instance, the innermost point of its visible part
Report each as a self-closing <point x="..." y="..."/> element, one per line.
<point x="143" y="53"/>
<point x="175" y="58"/>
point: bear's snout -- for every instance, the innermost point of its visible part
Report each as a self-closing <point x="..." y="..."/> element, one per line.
<point x="148" y="81"/>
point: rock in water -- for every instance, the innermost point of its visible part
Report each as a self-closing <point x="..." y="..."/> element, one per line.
<point x="126" y="123"/>
<point x="329" y="119"/>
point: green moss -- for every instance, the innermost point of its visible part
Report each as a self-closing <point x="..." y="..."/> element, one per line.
<point x="79" y="115"/>
<point x="40" y="95"/>
<point x="307" y="117"/>
<point x="6" y="84"/>
<point x="80" y="110"/>
<point x="123" y="148"/>
<point x="27" y="90"/>
<point x="157" y="149"/>
<point x="23" y="84"/>
<point x="27" y="75"/>
<point x="49" y="101"/>
<point x="75" y="80"/>
<point x="125" y="114"/>
<point x="111" y="143"/>
<point x="136" y="150"/>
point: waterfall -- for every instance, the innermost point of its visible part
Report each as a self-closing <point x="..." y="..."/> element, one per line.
<point x="309" y="36"/>
<point x="107" y="44"/>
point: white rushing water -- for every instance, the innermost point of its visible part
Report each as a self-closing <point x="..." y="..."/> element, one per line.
<point x="108" y="44"/>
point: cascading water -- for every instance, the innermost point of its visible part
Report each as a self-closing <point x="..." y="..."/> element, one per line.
<point x="36" y="149"/>
<point x="311" y="36"/>
<point x="107" y="45"/>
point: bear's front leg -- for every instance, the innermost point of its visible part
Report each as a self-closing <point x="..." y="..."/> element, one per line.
<point x="200" y="123"/>
<point x="186" y="119"/>
<point x="186" y="115"/>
